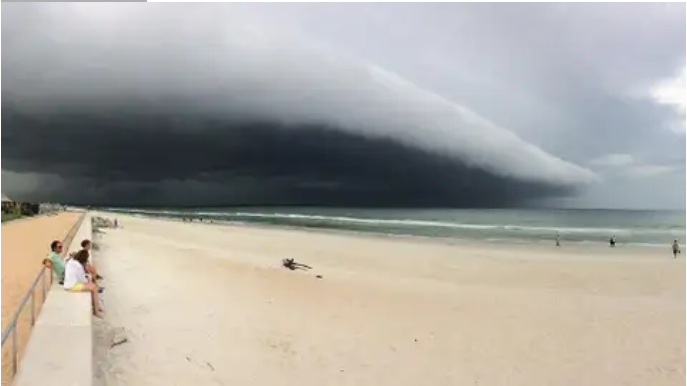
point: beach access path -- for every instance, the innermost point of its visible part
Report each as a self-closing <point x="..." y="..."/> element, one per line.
<point x="25" y="243"/>
<point x="211" y="305"/>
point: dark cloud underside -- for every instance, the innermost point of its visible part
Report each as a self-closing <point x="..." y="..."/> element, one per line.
<point x="137" y="158"/>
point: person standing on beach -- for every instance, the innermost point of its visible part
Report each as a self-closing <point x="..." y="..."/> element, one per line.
<point x="612" y="241"/>
<point x="558" y="239"/>
<point x="676" y="249"/>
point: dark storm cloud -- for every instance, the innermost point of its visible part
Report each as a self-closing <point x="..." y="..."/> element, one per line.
<point x="244" y="162"/>
<point x="178" y="104"/>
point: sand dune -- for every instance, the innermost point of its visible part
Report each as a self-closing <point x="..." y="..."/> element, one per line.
<point x="211" y="305"/>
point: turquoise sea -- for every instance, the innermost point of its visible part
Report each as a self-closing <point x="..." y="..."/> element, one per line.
<point x="634" y="227"/>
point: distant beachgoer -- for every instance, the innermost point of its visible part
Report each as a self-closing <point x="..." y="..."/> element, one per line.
<point x="116" y="223"/>
<point x="55" y="260"/>
<point x="611" y="241"/>
<point x="75" y="279"/>
<point x="676" y="249"/>
<point x="558" y="239"/>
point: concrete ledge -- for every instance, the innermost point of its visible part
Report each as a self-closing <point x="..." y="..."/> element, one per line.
<point x="60" y="349"/>
<point x="58" y="356"/>
<point x="65" y="308"/>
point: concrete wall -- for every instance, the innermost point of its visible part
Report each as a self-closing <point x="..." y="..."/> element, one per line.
<point x="60" y="349"/>
<point x="84" y="232"/>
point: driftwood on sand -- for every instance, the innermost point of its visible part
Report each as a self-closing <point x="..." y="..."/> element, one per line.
<point x="293" y="265"/>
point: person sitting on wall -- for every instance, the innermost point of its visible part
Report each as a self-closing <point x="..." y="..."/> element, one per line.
<point x="55" y="261"/>
<point x="86" y="244"/>
<point x="75" y="279"/>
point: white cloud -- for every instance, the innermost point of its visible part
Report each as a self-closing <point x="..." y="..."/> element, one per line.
<point x="614" y="160"/>
<point x="648" y="170"/>
<point x="671" y="92"/>
<point x="628" y="165"/>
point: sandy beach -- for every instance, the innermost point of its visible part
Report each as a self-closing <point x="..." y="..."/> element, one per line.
<point x="25" y="243"/>
<point x="211" y="305"/>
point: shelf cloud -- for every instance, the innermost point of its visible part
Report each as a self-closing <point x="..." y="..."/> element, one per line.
<point x="173" y="104"/>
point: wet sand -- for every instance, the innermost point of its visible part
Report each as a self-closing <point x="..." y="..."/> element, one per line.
<point x="25" y="243"/>
<point x="211" y="305"/>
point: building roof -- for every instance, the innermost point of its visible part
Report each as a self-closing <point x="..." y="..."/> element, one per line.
<point x="5" y="198"/>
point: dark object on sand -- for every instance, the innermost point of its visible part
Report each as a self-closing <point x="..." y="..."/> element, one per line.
<point x="292" y="265"/>
<point x="319" y="276"/>
<point x="118" y="342"/>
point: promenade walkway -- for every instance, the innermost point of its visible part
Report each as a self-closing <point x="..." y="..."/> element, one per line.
<point x="25" y="244"/>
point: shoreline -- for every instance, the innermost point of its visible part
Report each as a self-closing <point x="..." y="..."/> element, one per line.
<point x="566" y="246"/>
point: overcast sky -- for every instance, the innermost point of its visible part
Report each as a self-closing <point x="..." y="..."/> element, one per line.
<point x="443" y="102"/>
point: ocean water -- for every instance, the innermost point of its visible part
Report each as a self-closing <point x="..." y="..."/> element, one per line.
<point x="643" y="228"/>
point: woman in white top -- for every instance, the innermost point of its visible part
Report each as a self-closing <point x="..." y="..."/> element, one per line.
<point x="75" y="278"/>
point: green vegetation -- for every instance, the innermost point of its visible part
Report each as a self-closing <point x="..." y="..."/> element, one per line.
<point x="10" y="216"/>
